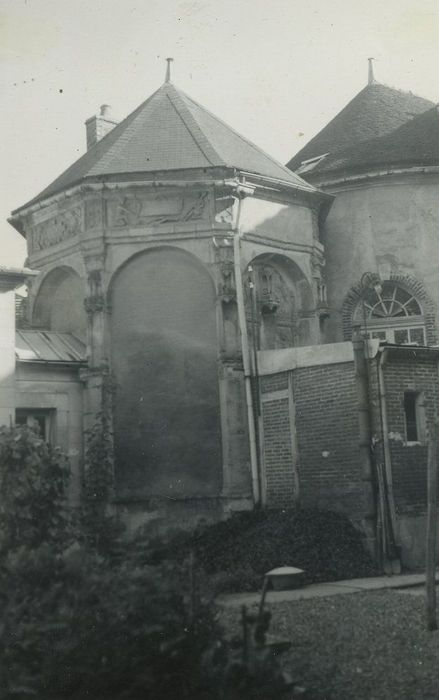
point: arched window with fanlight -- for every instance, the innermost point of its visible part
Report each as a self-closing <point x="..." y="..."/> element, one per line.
<point x="391" y="312"/>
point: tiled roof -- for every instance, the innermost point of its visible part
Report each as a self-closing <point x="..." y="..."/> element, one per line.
<point x="48" y="346"/>
<point x="413" y="143"/>
<point x="365" y="133"/>
<point x="169" y="132"/>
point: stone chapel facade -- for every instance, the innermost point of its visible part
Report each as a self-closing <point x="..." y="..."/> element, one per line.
<point x="140" y="248"/>
<point x="217" y="290"/>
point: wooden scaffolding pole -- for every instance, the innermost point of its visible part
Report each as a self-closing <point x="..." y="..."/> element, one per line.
<point x="432" y="467"/>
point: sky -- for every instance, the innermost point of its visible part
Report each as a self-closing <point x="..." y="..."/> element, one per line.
<point x="275" y="70"/>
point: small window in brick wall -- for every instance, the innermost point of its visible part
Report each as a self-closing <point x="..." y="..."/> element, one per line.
<point x="414" y="416"/>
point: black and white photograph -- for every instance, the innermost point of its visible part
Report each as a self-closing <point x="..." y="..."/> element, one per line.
<point x="219" y="350"/>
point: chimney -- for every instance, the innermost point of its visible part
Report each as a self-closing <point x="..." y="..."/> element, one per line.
<point x="99" y="125"/>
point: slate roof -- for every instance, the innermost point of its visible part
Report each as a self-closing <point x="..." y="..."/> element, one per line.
<point x="380" y="126"/>
<point x="48" y="346"/>
<point x="415" y="143"/>
<point x="169" y="132"/>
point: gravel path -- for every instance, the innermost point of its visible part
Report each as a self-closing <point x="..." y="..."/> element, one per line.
<point x="364" y="646"/>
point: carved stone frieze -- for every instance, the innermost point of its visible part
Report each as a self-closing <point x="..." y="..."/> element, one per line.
<point x="134" y="210"/>
<point x="93" y="213"/>
<point x="61" y="227"/>
<point x="96" y="300"/>
<point x="224" y="210"/>
<point x="224" y="261"/>
<point x="317" y="262"/>
<point x="227" y="287"/>
<point x="273" y="294"/>
<point x="95" y="303"/>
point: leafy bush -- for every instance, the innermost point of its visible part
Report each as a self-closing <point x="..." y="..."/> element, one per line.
<point x="100" y="529"/>
<point x="236" y="553"/>
<point x="75" y="626"/>
<point x="33" y="480"/>
<point x="78" y="623"/>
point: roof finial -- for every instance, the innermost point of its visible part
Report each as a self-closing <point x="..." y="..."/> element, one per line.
<point x="168" y="70"/>
<point x="371" y="78"/>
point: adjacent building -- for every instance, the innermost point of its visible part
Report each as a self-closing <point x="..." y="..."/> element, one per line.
<point x="206" y="296"/>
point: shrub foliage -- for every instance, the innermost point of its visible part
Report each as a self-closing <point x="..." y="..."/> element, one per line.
<point x="33" y="480"/>
<point x="236" y="553"/>
<point x="85" y="620"/>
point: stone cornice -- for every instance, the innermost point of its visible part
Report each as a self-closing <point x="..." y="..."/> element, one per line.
<point x="11" y="277"/>
<point x="315" y="247"/>
<point x="307" y="193"/>
<point x="359" y="179"/>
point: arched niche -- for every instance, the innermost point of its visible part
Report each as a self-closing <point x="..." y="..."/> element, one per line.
<point x="59" y="305"/>
<point x="164" y="359"/>
<point x="279" y="302"/>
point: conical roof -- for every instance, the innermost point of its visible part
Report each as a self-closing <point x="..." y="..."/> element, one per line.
<point x="170" y="132"/>
<point x="415" y="143"/>
<point x="364" y="133"/>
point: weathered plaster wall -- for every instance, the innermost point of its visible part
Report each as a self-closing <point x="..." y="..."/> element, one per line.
<point x="385" y="226"/>
<point x="59" y="304"/>
<point x="164" y="357"/>
<point x="56" y="389"/>
<point x="283" y="222"/>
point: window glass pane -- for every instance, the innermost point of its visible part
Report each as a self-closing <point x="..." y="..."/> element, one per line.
<point x="417" y="336"/>
<point x="413" y="308"/>
<point x="36" y="419"/>
<point x="401" y="336"/>
<point x="398" y="311"/>
<point x="38" y="424"/>
<point x="390" y="308"/>
<point x="401" y="294"/>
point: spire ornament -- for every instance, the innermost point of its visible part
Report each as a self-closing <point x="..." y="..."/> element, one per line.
<point x="371" y="77"/>
<point x="168" y="70"/>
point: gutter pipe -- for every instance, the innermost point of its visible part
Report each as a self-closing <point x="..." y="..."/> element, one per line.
<point x="240" y="194"/>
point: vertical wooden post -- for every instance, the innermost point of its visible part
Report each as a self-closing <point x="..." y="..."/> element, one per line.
<point x="432" y="467"/>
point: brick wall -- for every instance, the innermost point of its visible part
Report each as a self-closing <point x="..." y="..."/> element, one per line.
<point x="279" y="466"/>
<point x="314" y="439"/>
<point x="278" y="446"/>
<point x="327" y="434"/>
<point x="311" y="433"/>
<point x="409" y="461"/>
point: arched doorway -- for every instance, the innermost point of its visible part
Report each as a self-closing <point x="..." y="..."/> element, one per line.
<point x="164" y="359"/>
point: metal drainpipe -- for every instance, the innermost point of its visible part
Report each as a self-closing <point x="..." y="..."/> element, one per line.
<point x="386" y="444"/>
<point x="246" y="355"/>
<point x="365" y="434"/>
